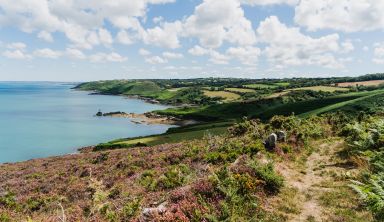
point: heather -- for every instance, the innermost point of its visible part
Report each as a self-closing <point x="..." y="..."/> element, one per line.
<point x="217" y="178"/>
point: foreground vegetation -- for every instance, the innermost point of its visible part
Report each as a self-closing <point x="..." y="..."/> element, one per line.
<point x="329" y="168"/>
<point x="231" y="177"/>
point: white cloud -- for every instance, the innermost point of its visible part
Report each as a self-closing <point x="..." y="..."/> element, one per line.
<point x="347" y="46"/>
<point x="269" y="2"/>
<point x="144" y="52"/>
<point x="17" y="45"/>
<point x="77" y="19"/>
<point x="46" y="36"/>
<point x="172" y="55"/>
<point x="158" y="19"/>
<point x="218" y="58"/>
<point x="16" y="54"/>
<point x="109" y="57"/>
<point x="124" y="38"/>
<point x="215" y="57"/>
<point x="47" y="53"/>
<point x="105" y="37"/>
<point x="246" y="55"/>
<point x="378" y="53"/>
<point x="214" y="22"/>
<point x="198" y="51"/>
<point x="156" y="60"/>
<point x="75" y="53"/>
<point x="289" y="47"/>
<point x="164" y="36"/>
<point x="343" y="15"/>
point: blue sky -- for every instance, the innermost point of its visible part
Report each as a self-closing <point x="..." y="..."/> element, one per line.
<point x="81" y="40"/>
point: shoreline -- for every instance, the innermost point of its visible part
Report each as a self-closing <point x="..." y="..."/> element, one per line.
<point x="149" y="118"/>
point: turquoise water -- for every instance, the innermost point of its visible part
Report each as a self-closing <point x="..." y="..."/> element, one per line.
<point x="48" y="119"/>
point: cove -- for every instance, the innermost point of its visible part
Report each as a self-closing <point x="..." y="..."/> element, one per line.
<point x="42" y="119"/>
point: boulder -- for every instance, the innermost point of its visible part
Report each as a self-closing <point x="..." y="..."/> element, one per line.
<point x="270" y="142"/>
<point x="148" y="212"/>
<point x="281" y="136"/>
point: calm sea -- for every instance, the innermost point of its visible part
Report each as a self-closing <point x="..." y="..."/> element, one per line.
<point x="48" y="119"/>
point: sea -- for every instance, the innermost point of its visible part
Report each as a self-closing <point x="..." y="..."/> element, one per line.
<point x="42" y="119"/>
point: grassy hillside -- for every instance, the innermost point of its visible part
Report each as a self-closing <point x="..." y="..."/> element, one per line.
<point x="216" y="178"/>
<point x="266" y="108"/>
<point x="173" y="135"/>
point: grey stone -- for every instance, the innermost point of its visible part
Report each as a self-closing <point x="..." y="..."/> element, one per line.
<point x="270" y="142"/>
<point x="281" y="136"/>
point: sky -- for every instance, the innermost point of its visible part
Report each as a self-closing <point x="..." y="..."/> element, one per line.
<point x="84" y="40"/>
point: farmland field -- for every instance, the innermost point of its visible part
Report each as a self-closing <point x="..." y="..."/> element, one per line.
<point x="323" y="88"/>
<point x="282" y="83"/>
<point x="278" y="94"/>
<point x="240" y="90"/>
<point x="261" y="86"/>
<point x="364" y="83"/>
<point x="313" y="88"/>
<point x="228" y="96"/>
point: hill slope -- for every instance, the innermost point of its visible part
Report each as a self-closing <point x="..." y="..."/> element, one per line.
<point x="229" y="177"/>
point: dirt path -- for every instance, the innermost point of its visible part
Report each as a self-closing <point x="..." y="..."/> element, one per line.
<point x="309" y="180"/>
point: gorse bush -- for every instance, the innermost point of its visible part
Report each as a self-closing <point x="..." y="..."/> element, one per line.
<point x="8" y="200"/>
<point x="175" y="176"/>
<point x="254" y="127"/>
<point x="233" y="148"/>
<point x="273" y="181"/>
<point x="231" y="191"/>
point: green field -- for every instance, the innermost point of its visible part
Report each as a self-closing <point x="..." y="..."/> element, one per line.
<point x="366" y="103"/>
<point x="261" y="86"/>
<point x="284" y="84"/>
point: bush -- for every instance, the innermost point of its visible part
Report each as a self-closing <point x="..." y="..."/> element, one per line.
<point x="4" y="217"/>
<point x="130" y="209"/>
<point x="286" y="123"/>
<point x="8" y="200"/>
<point x="147" y="179"/>
<point x="35" y="204"/>
<point x="234" y="148"/>
<point x="273" y="181"/>
<point x="175" y="176"/>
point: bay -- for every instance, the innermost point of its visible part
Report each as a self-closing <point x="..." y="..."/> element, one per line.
<point x="41" y="119"/>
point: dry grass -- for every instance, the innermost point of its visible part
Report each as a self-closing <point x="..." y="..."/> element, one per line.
<point x="227" y="96"/>
<point x="176" y="89"/>
<point x="313" y="88"/>
<point x="364" y="83"/>
<point x="240" y="90"/>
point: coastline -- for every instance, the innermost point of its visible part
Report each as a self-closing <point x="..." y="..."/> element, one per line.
<point x="149" y="118"/>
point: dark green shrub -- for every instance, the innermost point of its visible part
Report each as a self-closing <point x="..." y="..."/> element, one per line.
<point x="4" y="217"/>
<point x="130" y="209"/>
<point x="35" y="204"/>
<point x="9" y="200"/>
<point x="175" y="176"/>
<point x="147" y="179"/>
<point x="273" y="181"/>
